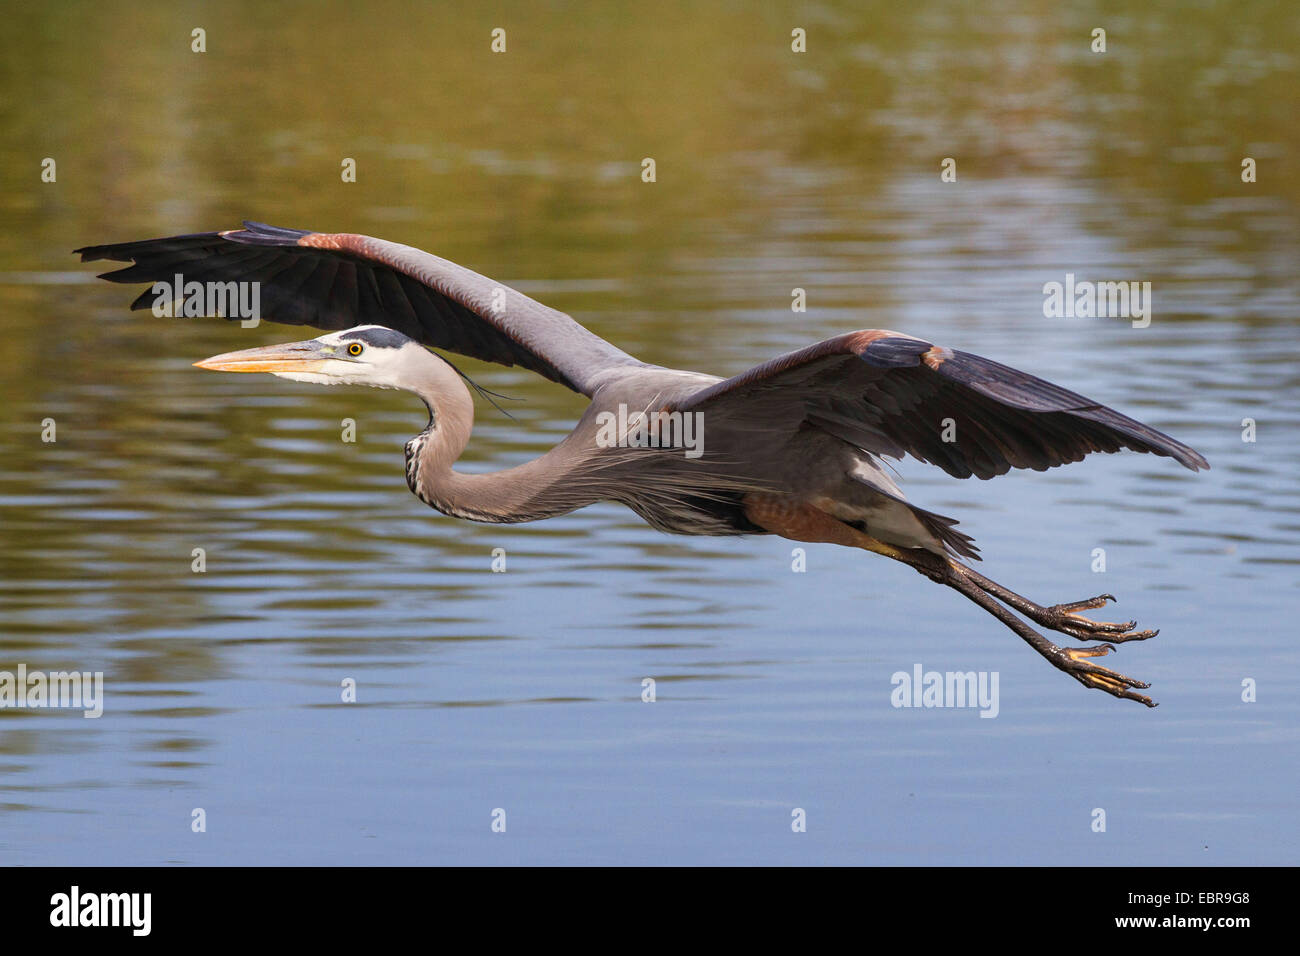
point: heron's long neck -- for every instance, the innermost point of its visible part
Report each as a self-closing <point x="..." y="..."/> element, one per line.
<point x="531" y="491"/>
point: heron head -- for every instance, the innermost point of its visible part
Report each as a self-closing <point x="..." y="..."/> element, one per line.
<point x="365" y="355"/>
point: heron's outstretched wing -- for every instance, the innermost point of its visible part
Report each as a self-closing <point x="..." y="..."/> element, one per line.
<point x="892" y="394"/>
<point x="337" y="281"/>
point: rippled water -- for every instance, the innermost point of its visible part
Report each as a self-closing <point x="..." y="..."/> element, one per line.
<point x="522" y="690"/>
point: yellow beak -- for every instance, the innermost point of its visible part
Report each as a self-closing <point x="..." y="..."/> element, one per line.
<point x="293" y="357"/>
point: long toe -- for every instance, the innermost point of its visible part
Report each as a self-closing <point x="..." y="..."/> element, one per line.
<point x="1132" y="636"/>
<point x="1067" y="616"/>
<point x="1103" y="678"/>
<point x="1078" y="653"/>
<point x="1087" y="604"/>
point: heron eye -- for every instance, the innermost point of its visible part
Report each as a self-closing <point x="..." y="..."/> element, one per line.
<point x="355" y="348"/>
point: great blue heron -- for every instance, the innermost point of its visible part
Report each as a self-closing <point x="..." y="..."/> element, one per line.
<point x="791" y="447"/>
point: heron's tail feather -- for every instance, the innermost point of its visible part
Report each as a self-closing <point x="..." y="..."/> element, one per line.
<point x="945" y="529"/>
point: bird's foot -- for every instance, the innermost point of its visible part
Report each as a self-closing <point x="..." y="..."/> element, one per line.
<point x="1073" y="661"/>
<point x="1066" y="619"/>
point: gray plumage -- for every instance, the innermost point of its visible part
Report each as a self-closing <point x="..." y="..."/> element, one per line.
<point x="793" y="446"/>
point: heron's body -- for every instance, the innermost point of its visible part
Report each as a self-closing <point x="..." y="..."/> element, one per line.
<point x="706" y="495"/>
<point x="792" y="447"/>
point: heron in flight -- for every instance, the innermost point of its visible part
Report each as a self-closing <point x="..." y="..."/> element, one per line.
<point x="791" y="447"/>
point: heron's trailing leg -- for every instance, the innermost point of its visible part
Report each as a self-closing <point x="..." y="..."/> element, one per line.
<point x="800" y="521"/>
<point x="1072" y="660"/>
<point x="1061" y="617"/>
<point x="1068" y="659"/>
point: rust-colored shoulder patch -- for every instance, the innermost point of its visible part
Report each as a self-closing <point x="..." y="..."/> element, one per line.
<point x="936" y="356"/>
<point x="861" y="340"/>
